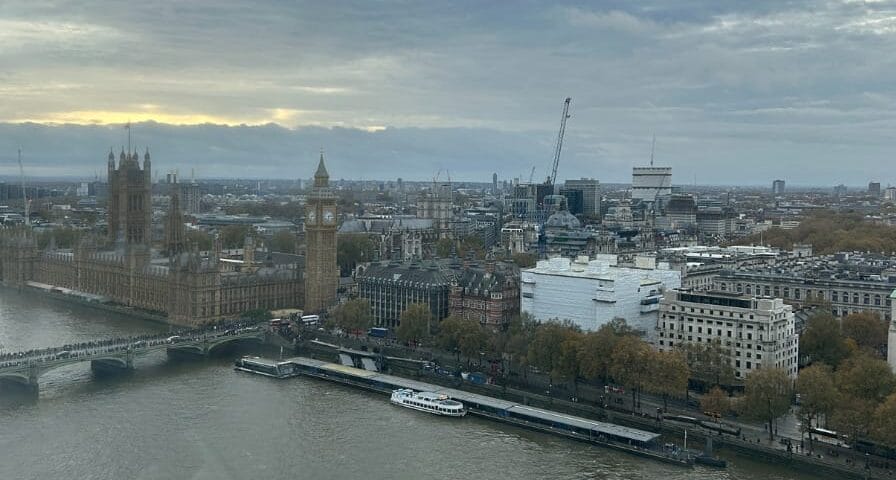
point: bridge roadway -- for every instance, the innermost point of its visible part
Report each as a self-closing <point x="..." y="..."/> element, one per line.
<point x="25" y="368"/>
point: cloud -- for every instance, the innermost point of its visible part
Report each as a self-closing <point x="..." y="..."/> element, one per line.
<point x="745" y="91"/>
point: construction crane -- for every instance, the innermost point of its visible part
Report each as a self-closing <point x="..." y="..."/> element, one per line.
<point x="559" y="145"/>
<point x="532" y="174"/>
<point x="24" y="192"/>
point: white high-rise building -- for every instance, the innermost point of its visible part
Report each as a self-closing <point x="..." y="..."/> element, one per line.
<point x="651" y="182"/>
<point x="591" y="293"/>
<point x="756" y="332"/>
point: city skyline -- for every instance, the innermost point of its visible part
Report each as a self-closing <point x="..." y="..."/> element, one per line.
<point x="752" y="92"/>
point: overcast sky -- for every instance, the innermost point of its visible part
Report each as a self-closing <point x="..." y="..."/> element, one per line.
<point x="735" y="92"/>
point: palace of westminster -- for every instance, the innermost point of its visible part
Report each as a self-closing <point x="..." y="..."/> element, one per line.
<point x="189" y="287"/>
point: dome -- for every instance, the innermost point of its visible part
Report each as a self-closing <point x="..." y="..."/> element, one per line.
<point x="563" y="219"/>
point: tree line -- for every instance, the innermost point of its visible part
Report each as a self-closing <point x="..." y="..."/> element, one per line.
<point x="831" y="232"/>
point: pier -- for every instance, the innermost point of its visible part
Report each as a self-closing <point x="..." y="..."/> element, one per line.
<point x="631" y="440"/>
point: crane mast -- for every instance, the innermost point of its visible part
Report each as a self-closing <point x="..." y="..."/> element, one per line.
<point x="559" y="145"/>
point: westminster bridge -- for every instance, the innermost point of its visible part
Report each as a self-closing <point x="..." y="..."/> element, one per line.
<point x="118" y="354"/>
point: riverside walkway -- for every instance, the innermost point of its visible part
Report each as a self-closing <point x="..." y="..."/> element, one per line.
<point x="26" y="367"/>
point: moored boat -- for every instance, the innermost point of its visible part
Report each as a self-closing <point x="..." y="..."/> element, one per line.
<point x="268" y="368"/>
<point x="435" y="403"/>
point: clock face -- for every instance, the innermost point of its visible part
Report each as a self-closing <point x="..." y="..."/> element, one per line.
<point x="311" y="216"/>
<point x="329" y="217"/>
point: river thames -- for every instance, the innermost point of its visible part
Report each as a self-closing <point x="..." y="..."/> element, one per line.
<point x="201" y="420"/>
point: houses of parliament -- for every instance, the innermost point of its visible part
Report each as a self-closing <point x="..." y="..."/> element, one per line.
<point x="178" y="281"/>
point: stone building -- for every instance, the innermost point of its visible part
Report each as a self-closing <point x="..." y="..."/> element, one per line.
<point x="189" y="287"/>
<point x="755" y="332"/>
<point x="488" y="294"/>
<point x="321" y="271"/>
<point x="848" y="283"/>
<point x="391" y="287"/>
<point x="130" y="199"/>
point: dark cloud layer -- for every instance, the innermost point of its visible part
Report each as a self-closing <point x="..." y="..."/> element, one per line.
<point x="736" y="92"/>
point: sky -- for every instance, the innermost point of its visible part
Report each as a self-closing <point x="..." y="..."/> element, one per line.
<point x="735" y="92"/>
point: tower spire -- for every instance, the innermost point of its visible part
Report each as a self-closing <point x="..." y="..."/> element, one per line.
<point x="321" y="177"/>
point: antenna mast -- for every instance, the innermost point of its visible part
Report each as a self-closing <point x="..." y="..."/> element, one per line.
<point x="652" y="149"/>
<point x="24" y="192"/>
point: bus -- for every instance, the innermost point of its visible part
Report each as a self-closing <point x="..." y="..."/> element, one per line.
<point x="378" y="332"/>
<point x="310" y="320"/>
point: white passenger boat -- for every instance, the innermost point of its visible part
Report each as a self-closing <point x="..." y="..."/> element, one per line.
<point x="268" y="368"/>
<point x="434" y="403"/>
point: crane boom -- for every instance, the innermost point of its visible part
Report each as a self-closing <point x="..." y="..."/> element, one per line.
<point x="560" y="140"/>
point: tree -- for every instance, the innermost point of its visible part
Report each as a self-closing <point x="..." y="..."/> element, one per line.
<point x="353" y="316"/>
<point x="884" y="429"/>
<point x="351" y="250"/>
<point x="415" y="323"/>
<point x="767" y="394"/>
<point x="630" y="364"/>
<point x="546" y="350"/>
<point x="716" y="402"/>
<point x="234" y="236"/>
<point x="865" y="377"/>
<point x="200" y="238"/>
<point x="668" y="376"/>
<point x="708" y="363"/>
<point x="463" y="336"/>
<point x="569" y="366"/>
<point x="443" y="247"/>
<point x="524" y="260"/>
<point x="515" y="340"/>
<point x="867" y="329"/>
<point x="595" y="351"/>
<point x="471" y="245"/>
<point x="283" y="241"/>
<point x="822" y="341"/>
<point x="818" y="394"/>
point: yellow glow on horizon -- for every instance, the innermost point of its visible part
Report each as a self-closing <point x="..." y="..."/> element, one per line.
<point x="286" y="117"/>
<point x="106" y="117"/>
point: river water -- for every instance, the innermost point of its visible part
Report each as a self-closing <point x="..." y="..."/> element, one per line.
<point x="201" y="420"/>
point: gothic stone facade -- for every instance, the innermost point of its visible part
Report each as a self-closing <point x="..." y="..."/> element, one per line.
<point x="321" y="271"/>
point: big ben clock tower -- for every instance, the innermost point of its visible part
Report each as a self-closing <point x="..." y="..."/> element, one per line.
<point x="321" y="271"/>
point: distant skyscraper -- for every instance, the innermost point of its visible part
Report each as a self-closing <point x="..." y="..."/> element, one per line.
<point x="874" y="189"/>
<point x="778" y="187"/>
<point x="590" y="189"/>
<point x="494" y="183"/>
<point x="651" y="182"/>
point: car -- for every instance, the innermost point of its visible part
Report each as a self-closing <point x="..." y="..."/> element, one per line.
<point x="174" y="339"/>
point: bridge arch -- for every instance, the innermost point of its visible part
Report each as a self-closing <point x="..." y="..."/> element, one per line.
<point x="15" y="378"/>
<point x="222" y="341"/>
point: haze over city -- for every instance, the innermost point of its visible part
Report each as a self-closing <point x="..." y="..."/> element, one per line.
<point x="736" y="94"/>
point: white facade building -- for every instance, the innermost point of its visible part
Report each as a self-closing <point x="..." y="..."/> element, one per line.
<point x="891" y="337"/>
<point x="651" y="182"/>
<point x="756" y="332"/>
<point x="592" y="293"/>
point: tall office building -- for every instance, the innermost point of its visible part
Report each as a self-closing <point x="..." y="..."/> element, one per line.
<point x="590" y="189"/>
<point x="651" y="182"/>
<point x="778" y="187"/>
<point x="494" y="183"/>
<point x="874" y="189"/>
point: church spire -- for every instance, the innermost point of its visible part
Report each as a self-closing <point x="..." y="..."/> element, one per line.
<point x="321" y="177"/>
